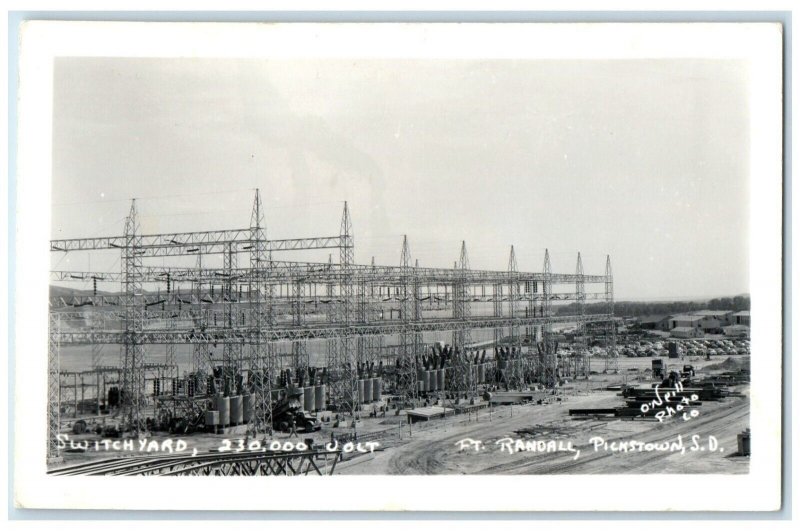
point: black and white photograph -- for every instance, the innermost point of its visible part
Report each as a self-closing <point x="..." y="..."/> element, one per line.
<point x="403" y="250"/>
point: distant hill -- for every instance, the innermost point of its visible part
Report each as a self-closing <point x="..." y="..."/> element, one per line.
<point x="60" y="291"/>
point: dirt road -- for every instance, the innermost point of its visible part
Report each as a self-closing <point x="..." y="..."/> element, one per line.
<point x="437" y="451"/>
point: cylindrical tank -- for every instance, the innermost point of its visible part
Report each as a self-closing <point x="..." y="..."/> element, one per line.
<point x="368" y="390"/>
<point x="361" y="391"/>
<point x="440" y="379"/>
<point x="237" y="410"/>
<point x="224" y="408"/>
<point x="319" y="397"/>
<point x="443" y="381"/>
<point x="249" y="402"/>
<point x="376" y="389"/>
<point x="432" y="382"/>
<point x="420" y="386"/>
<point x="482" y="378"/>
<point x="308" y="399"/>
<point x="212" y="418"/>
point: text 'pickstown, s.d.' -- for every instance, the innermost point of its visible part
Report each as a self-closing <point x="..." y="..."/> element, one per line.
<point x="678" y="445"/>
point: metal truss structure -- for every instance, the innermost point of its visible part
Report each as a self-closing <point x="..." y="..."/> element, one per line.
<point x="266" y="314"/>
<point x="321" y="463"/>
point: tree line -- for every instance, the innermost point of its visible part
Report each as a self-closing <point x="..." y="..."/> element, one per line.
<point x="645" y="308"/>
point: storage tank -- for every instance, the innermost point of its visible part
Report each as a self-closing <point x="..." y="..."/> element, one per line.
<point x="308" y="399"/>
<point x="361" y="391"/>
<point x="432" y="382"/>
<point x="319" y="397"/>
<point x="482" y="375"/>
<point x="224" y="408"/>
<point x="237" y="410"/>
<point x="368" y="390"/>
<point x="212" y="418"/>
<point x="376" y="389"/>
<point x="249" y="402"/>
<point x="420" y="386"/>
<point x="440" y="379"/>
<point x="443" y="380"/>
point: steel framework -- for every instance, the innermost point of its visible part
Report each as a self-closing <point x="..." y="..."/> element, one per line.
<point x="267" y="314"/>
<point x="245" y="464"/>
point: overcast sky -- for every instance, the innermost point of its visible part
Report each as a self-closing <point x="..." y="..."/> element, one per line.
<point x="643" y="160"/>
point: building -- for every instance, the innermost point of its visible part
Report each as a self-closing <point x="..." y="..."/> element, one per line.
<point x="742" y="318"/>
<point x="737" y="330"/>
<point x="686" y="321"/>
<point x="655" y="322"/>
<point x="686" y="332"/>
<point x="722" y="317"/>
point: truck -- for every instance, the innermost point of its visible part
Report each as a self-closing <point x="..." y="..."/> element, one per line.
<point x="290" y="408"/>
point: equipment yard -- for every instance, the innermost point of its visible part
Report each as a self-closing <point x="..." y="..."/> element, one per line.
<point x="286" y="367"/>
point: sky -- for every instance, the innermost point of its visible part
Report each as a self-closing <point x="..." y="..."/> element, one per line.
<point x="645" y="160"/>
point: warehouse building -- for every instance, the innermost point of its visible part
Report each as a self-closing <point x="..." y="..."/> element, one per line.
<point x="723" y="318"/>
<point x="686" y="321"/>
<point x="655" y="322"/>
<point x="742" y="318"/>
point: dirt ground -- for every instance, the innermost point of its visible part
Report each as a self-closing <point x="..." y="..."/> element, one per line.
<point x="437" y="450"/>
<point x="433" y="447"/>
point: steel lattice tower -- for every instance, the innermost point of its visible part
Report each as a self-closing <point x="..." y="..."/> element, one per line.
<point x="612" y="360"/>
<point x="516" y="371"/>
<point x="348" y="386"/>
<point x="260" y="364"/>
<point x="463" y="377"/>
<point x="133" y="383"/>
<point x="53" y="387"/>
<point x="548" y="356"/>
<point x="201" y="351"/>
<point x="407" y="363"/>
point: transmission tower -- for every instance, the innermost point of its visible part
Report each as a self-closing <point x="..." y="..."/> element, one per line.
<point x="612" y="356"/>
<point x="133" y="383"/>
<point x="407" y="363"/>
